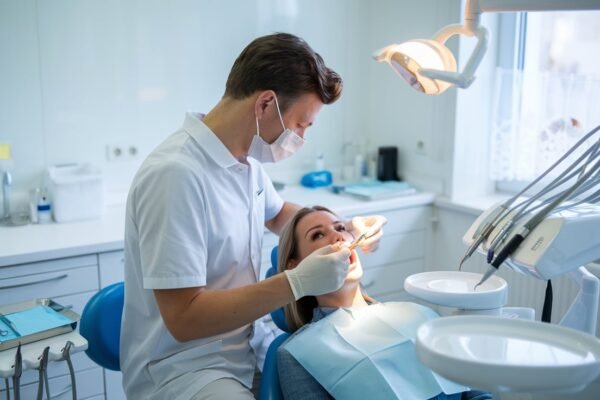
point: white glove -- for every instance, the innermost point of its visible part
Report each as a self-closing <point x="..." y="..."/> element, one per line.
<point x="322" y="271"/>
<point x="372" y="227"/>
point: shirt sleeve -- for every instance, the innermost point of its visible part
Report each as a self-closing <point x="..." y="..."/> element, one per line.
<point x="171" y="222"/>
<point x="296" y="383"/>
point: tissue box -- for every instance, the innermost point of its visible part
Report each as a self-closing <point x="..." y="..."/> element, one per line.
<point x="77" y="192"/>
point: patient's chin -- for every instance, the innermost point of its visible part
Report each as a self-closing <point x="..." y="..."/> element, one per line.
<point x="355" y="272"/>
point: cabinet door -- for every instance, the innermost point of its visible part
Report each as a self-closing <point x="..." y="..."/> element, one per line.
<point x="112" y="266"/>
<point x="384" y="280"/>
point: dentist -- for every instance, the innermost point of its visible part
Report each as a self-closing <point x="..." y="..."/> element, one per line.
<point x="195" y="217"/>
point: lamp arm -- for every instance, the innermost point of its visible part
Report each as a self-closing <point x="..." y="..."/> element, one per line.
<point x="475" y="7"/>
<point x="465" y="78"/>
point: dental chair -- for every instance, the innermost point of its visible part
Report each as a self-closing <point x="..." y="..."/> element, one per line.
<point x="101" y="325"/>
<point x="269" y="385"/>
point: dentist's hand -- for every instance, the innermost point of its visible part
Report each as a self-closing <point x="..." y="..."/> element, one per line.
<point x="372" y="227"/>
<point x="323" y="271"/>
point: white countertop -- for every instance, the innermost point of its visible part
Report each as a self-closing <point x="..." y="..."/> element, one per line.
<point x="31" y="243"/>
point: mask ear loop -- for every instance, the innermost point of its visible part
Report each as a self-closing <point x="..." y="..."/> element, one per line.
<point x="257" y="128"/>
<point x="279" y="113"/>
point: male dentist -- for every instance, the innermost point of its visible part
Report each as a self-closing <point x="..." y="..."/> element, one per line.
<point x="195" y="216"/>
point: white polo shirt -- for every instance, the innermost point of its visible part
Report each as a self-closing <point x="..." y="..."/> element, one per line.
<point x="195" y="217"/>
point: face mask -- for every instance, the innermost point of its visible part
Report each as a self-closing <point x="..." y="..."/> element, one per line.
<point x="286" y="144"/>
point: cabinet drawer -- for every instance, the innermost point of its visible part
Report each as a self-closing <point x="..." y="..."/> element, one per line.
<point x="51" y="284"/>
<point x="395" y="248"/>
<point x="47" y="266"/>
<point x="112" y="267"/>
<point x="389" y="278"/>
<point x="89" y="383"/>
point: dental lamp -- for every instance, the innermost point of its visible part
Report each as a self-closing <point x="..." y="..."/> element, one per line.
<point x="430" y="67"/>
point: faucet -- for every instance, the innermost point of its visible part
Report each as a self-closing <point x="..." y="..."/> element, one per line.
<point x="6" y="184"/>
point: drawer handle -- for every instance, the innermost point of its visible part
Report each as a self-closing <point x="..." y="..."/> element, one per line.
<point x="55" y="278"/>
<point x="368" y="285"/>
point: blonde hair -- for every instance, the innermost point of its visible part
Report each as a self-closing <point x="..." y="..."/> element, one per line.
<point x="300" y="312"/>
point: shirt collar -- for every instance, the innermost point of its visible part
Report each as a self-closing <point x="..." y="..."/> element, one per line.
<point x="206" y="138"/>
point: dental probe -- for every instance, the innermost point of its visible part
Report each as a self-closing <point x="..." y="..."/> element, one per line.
<point x="357" y="241"/>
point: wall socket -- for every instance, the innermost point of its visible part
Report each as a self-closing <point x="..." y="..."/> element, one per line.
<point x="121" y="152"/>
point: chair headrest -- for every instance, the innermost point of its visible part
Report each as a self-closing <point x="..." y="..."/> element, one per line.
<point x="277" y="315"/>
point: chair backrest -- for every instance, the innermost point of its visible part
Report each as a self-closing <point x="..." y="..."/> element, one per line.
<point x="269" y="386"/>
<point x="101" y="325"/>
<point x="277" y="315"/>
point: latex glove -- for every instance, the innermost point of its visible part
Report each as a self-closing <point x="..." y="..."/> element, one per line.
<point x="322" y="271"/>
<point x="372" y="226"/>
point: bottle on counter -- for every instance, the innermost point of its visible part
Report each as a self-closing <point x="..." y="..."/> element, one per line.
<point x="44" y="212"/>
<point x="320" y="162"/>
<point x="360" y="167"/>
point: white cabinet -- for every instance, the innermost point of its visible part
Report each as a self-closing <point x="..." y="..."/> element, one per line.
<point x="111" y="267"/>
<point x="71" y="282"/>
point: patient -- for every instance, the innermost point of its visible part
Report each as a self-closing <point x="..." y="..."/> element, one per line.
<point x="311" y="229"/>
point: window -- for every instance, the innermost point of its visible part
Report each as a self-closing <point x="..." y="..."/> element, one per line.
<point x="546" y="97"/>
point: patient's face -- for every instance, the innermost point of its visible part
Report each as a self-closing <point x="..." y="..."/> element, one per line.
<point x="319" y="229"/>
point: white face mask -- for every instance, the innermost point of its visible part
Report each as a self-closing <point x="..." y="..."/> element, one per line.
<point x="286" y="144"/>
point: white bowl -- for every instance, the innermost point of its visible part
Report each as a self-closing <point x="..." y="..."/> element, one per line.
<point x="509" y="354"/>
<point x="456" y="289"/>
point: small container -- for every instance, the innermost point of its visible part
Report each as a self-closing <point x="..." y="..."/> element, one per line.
<point x="77" y="192"/>
<point x="44" y="211"/>
<point x="360" y="167"/>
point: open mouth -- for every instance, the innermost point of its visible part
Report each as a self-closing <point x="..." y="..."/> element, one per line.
<point x="352" y="258"/>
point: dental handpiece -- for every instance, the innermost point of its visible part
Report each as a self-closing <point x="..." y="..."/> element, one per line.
<point x="489" y="227"/>
<point x="510" y="247"/>
<point x="490" y="271"/>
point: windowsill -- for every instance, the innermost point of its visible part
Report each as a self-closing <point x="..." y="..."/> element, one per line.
<point x="473" y="206"/>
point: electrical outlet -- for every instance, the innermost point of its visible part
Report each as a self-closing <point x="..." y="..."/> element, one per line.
<point x="121" y="152"/>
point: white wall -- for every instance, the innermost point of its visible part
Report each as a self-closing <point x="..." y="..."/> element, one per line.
<point x="78" y="76"/>
<point x="401" y="116"/>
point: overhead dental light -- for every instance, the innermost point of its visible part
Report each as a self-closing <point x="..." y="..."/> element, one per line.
<point x="430" y="67"/>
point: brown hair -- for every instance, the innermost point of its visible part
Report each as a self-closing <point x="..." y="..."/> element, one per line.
<point x="285" y="64"/>
<point x="300" y="312"/>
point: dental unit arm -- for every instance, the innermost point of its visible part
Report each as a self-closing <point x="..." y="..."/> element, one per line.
<point x="561" y="244"/>
<point x="553" y="231"/>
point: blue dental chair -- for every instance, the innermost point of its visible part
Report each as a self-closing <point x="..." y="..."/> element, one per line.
<point x="101" y="325"/>
<point x="269" y="385"/>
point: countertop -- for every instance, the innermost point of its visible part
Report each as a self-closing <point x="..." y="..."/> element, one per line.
<point x="31" y="243"/>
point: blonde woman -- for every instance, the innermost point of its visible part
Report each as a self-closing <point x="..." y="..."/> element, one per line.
<point x="308" y="230"/>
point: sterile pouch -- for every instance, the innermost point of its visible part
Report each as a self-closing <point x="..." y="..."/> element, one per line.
<point x="354" y="353"/>
<point x="31" y="321"/>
